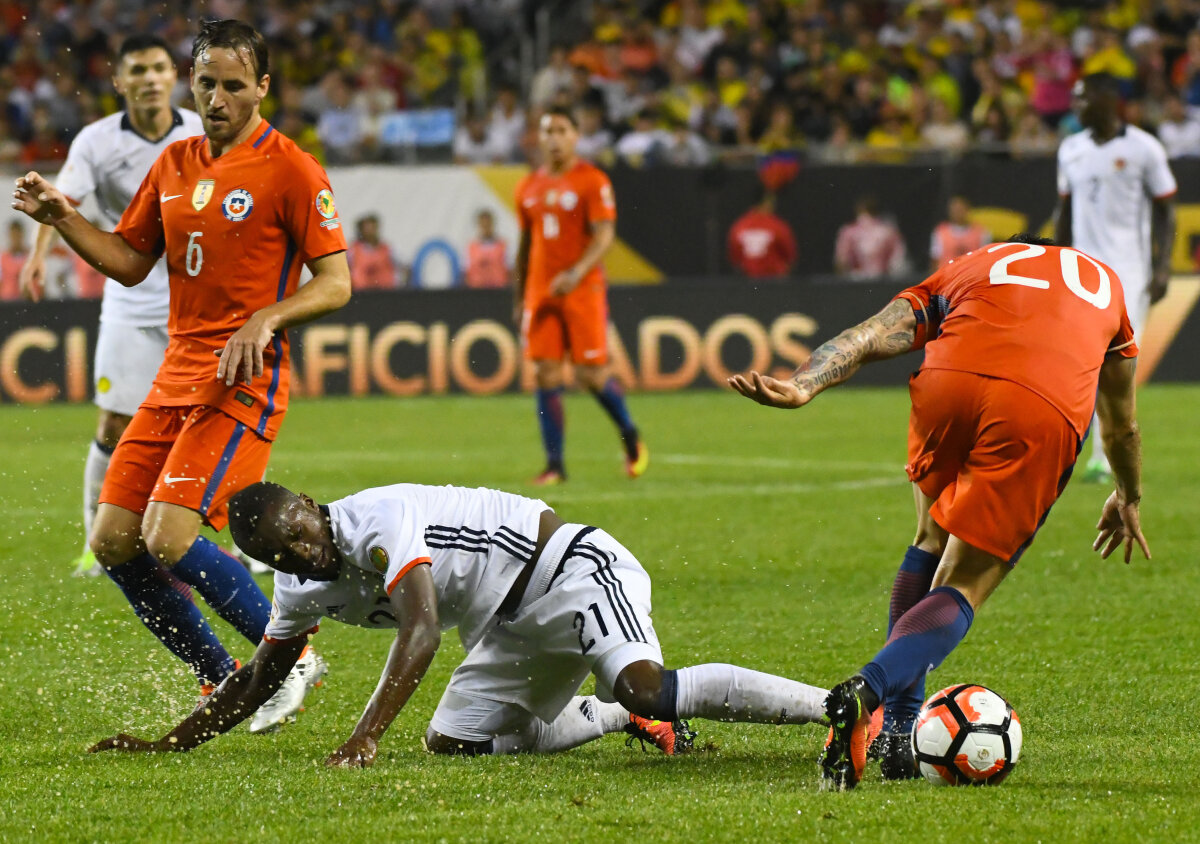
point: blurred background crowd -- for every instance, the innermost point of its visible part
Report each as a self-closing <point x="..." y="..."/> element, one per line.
<point x="657" y="82"/>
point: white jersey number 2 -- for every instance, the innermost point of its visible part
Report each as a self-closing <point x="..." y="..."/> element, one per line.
<point x="194" y="257"/>
<point x="1069" y="263"/>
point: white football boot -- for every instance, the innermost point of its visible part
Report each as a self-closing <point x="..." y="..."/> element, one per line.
<point x="286" y="703"/>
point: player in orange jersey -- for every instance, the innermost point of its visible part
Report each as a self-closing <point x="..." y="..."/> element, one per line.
<point x="568" y="221"/>
<point x="236" y="211"/>
<point x="1017" y="336"/>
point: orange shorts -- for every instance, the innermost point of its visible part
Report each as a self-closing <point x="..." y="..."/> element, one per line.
<point x="992" y="455"/>
<point x="196" y="457"/>
<point x="578" y="323"/>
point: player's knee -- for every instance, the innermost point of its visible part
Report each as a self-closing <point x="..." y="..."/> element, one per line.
<point x="436" y="742"/>
<point x="640" y="688"/>
<point x="111" y="547"/>
<point x="930" y="537"/>
<point x="166" y="542"/>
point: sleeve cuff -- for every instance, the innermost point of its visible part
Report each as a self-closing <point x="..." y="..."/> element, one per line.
<point x="405" y="570"/>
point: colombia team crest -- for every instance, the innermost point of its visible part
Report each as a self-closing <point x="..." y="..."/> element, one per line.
<point x="202" y="194"/>
<point x="237" y="205"/>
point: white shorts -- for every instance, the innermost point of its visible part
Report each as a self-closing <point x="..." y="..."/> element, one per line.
<point x="586" y="610"/>
<point x="127" y="359"/>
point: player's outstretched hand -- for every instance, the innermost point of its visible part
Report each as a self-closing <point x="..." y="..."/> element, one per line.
<point x="40" y="199"/>
<point x="125" y="744"/>
<point x="1120" y="523"/>
<point x="770" y="391"/>
<point x="242" y="357"/>
<point x="357" y="752"/>
<point x="32" y="278"/>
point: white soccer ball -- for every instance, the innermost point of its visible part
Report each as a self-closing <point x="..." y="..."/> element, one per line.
<point x="966" y="735"/>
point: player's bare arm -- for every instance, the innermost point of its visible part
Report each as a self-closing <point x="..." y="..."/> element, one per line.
<point x="33" y="274"/>
<point x="604" y="232"/>
<point x="414" y="602"/>
<point x="1120" y="520"/>
<point x="239" y="697"/>
<point x="889" y="333"/>
<point x="520" y="272"/>
<point x="1062" y="221"/>
<point x="328" y="290"/>
<point x="1162" y="244"/>
<point x="107" y="252"/>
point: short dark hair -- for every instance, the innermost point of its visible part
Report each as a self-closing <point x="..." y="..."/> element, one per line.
<point x="143" y="41"/>
<point x="562" y="111"/>
<point x="1030" y="237"/>
<point x="1105" y="83"/>
<point x="247" y="510"/>
<point x="235" y="36"/>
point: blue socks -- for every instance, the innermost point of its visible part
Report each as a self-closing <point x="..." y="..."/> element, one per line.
<point x="552" y="422"/>
<point x="910" y="586"/>
<point x="227" y="587"/>
<point x="612" y="399"/>
<point x="172" y="618"/>
<point x="919" y="641"/>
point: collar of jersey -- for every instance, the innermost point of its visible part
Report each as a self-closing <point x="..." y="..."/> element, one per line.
<point x="127" y="125"/>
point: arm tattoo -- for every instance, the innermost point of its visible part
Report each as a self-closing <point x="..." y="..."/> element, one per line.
<point x="890" y="332"/>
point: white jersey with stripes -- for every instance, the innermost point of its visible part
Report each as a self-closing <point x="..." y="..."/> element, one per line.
<point x="476" y="541"/>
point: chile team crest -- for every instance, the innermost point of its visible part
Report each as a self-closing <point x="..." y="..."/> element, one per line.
<point x="237" y="205"/>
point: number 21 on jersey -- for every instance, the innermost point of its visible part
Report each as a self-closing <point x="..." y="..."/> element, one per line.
<point x="1068" y="264"/>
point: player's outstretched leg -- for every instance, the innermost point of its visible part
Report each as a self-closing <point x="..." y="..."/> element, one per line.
<point x="611" y="397"/>
<point x="227" y="587"/>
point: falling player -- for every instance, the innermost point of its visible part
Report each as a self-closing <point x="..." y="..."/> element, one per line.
<point x="1016" y="337"/>
<point x="235" y="212"/>
<point x="1116" y="202"/>
<point x="568" y="221"/>
<point x="108" y="159"/>
<point x="539" y="605"/>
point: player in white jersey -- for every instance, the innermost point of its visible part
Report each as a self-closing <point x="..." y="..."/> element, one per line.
<point x="1116" y="201"/>
<point x="539" y="604"/>
<point x="108" y="160"/>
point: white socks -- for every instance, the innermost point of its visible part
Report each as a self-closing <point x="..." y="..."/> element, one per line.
<point x="1098" y="455"/>
<point x="93" y="478"/>
<point x="723" y="692"/>
<point x="585" y="719"/>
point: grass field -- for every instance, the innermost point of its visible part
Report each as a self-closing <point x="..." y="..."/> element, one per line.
<point x="772" y="539"/>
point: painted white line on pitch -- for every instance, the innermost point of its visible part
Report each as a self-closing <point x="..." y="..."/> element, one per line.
<point x="710" y="490"/>
<point x="765" y="462"/>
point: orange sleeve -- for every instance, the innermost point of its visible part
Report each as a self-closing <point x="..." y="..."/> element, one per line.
<point x="600" y="204"/>
<point x="929" y="307"/>
<point x="141" y="225"/>
<point x="310" y="216"/>
<point x="1123" y="343"/>
<point x="405" y="569"/>
<point x="519" y="196"/>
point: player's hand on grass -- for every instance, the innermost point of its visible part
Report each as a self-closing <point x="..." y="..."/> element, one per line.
<point x="357" y="752"/>
<point x="32" y="278"/>
<point x="1120" y="523"/>
<point x="126" y="744"/>
<point x="771" y="391"/>
<point x="242" y="357"/>
<point x="564" y="282"/>
<point x="40" y="200"/>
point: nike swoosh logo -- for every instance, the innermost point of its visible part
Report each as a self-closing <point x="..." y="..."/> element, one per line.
<point x="169" y="480"/>
<point x="166" y="198"/>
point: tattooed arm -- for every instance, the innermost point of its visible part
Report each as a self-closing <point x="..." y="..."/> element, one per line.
<point x="890" y="332"/>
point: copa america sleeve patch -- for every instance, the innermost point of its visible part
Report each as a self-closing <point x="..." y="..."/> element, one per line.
<point x="327" y="209"/>
<point x="378" y="555"/>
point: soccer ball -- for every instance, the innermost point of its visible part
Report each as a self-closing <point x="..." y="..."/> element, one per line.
<point x="966" y="735"/>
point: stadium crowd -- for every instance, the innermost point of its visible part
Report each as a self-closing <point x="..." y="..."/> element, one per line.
<point x="657" y="81"/>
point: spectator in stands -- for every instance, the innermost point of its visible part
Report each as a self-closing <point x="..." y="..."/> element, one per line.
<point x="371" y="264"/>
<point x="340" y="126"/>
<point x="554" y="77"/>
<point x="487" y="255"/>
<point x="943" y="132"/>
<point x="870" y="246"/>
<point x="1180" y="134"/>
<point x="639" y="145"/>
<point x="761" y="243"/>
<point x="506" y="126"/>
<point x="1031" y="137"/>
<point x="11" y="261"/>
<point x="681" y="147"/>
<point x="595" y="141"/>
<point x="957" y="235"/>
<point x="474" y="144"/>
<point x="1053" y="75"/>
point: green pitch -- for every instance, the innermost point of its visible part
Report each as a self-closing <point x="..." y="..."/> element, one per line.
<point x="772" y="539"/>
